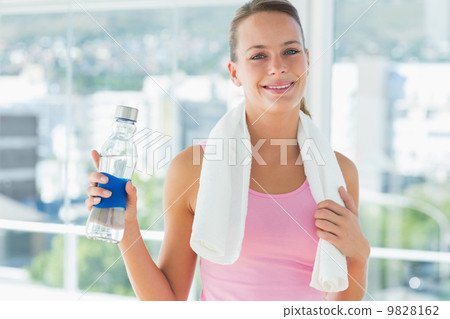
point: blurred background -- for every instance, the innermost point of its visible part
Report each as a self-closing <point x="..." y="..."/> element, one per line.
<point x="380" y="92"/>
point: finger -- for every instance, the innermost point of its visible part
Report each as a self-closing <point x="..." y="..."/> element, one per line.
<point x="131" y="193"/>
<point x="329" y="237"/>
<point x="98" y="191"/>
<point x="94" y="178"/>
<point x="332" y="206"/>
<point x="328" y="227"/>
<point x="329" y="215"/>
<point x="348" y="200"/>
<point x="91" y="201"/>
<point x="95" y="158"/>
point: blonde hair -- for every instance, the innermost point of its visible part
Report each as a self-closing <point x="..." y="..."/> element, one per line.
<point x="256" y="6"/>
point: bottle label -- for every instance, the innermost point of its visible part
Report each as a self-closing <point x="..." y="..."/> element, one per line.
<point x="118" y="197"/>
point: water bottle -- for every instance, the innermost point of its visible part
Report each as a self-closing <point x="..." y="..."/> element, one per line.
<point x="118" y="159"/>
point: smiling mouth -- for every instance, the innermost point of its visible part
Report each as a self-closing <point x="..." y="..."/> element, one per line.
<point x="279" y="87"/>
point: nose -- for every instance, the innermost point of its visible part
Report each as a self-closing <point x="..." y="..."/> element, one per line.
<point x="277" y="66"/>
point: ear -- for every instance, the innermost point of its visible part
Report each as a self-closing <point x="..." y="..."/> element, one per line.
<point x="307" y="60"/>
<point x="233" y="73"/>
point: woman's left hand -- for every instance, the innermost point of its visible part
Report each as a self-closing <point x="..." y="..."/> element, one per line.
<point x="340" y="226"/>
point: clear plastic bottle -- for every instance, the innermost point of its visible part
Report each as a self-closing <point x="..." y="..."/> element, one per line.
<point x="118" y="157"/>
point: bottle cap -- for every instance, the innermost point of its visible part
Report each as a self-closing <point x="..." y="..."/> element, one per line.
<point x="126" y="112"/>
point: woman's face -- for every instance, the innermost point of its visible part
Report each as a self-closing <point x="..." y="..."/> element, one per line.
<point x="271" y="64"/>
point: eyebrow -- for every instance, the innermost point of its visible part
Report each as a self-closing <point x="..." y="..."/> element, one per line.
<point x="261" y="46"/>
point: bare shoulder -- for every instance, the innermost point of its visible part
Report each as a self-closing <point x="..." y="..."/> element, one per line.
<point x="188" y="161"/>
<point x="176" y="259"/>
<point x="345" y="163"/>
<point x="350" y="173"/>
<point x="182" y="179"/>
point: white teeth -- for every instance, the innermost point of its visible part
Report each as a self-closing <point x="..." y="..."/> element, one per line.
<point x="279" y="87"/>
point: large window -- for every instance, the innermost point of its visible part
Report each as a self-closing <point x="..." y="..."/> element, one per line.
<point x="390" y="106"/>
<point x="65" y="65"/>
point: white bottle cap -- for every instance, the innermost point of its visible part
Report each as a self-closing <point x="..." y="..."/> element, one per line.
<point x="126" y="112"/>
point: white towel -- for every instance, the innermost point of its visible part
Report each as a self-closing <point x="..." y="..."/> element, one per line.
<point x="219" y="222"/>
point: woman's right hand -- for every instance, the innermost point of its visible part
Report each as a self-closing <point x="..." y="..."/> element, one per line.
<point x="96" y="193"/>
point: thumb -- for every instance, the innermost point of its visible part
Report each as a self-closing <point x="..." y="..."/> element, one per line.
<point x="348" y="200"/>
<point x="95" y="158"/>
<point x="131" y="194"/>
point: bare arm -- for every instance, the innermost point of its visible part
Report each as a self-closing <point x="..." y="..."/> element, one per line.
<point x="171" y="280"/>
<point x="357" y="264"/>
<point x="147" y="280"/>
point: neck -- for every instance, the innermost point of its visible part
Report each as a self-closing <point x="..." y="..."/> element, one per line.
<point x="275" y="128"/>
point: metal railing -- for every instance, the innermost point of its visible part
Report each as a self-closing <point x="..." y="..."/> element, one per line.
<point x="70" y="254"/>
<point x="71" y="232"/>
<point x="394" y="200"/>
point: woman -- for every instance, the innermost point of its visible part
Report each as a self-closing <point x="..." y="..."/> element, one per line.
<point x="270" y="61"/>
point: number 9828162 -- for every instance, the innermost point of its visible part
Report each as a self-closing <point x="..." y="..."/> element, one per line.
<point x="413" y="310"/>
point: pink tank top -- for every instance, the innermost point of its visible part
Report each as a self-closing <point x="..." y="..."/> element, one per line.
<point x="277" y="255"/>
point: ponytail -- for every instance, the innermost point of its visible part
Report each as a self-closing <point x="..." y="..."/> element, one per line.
<point x="303" y="107"/>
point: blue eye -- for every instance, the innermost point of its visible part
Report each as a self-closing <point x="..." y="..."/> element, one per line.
<point x="257" y="57"/>
<point x="291" y="52"/>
